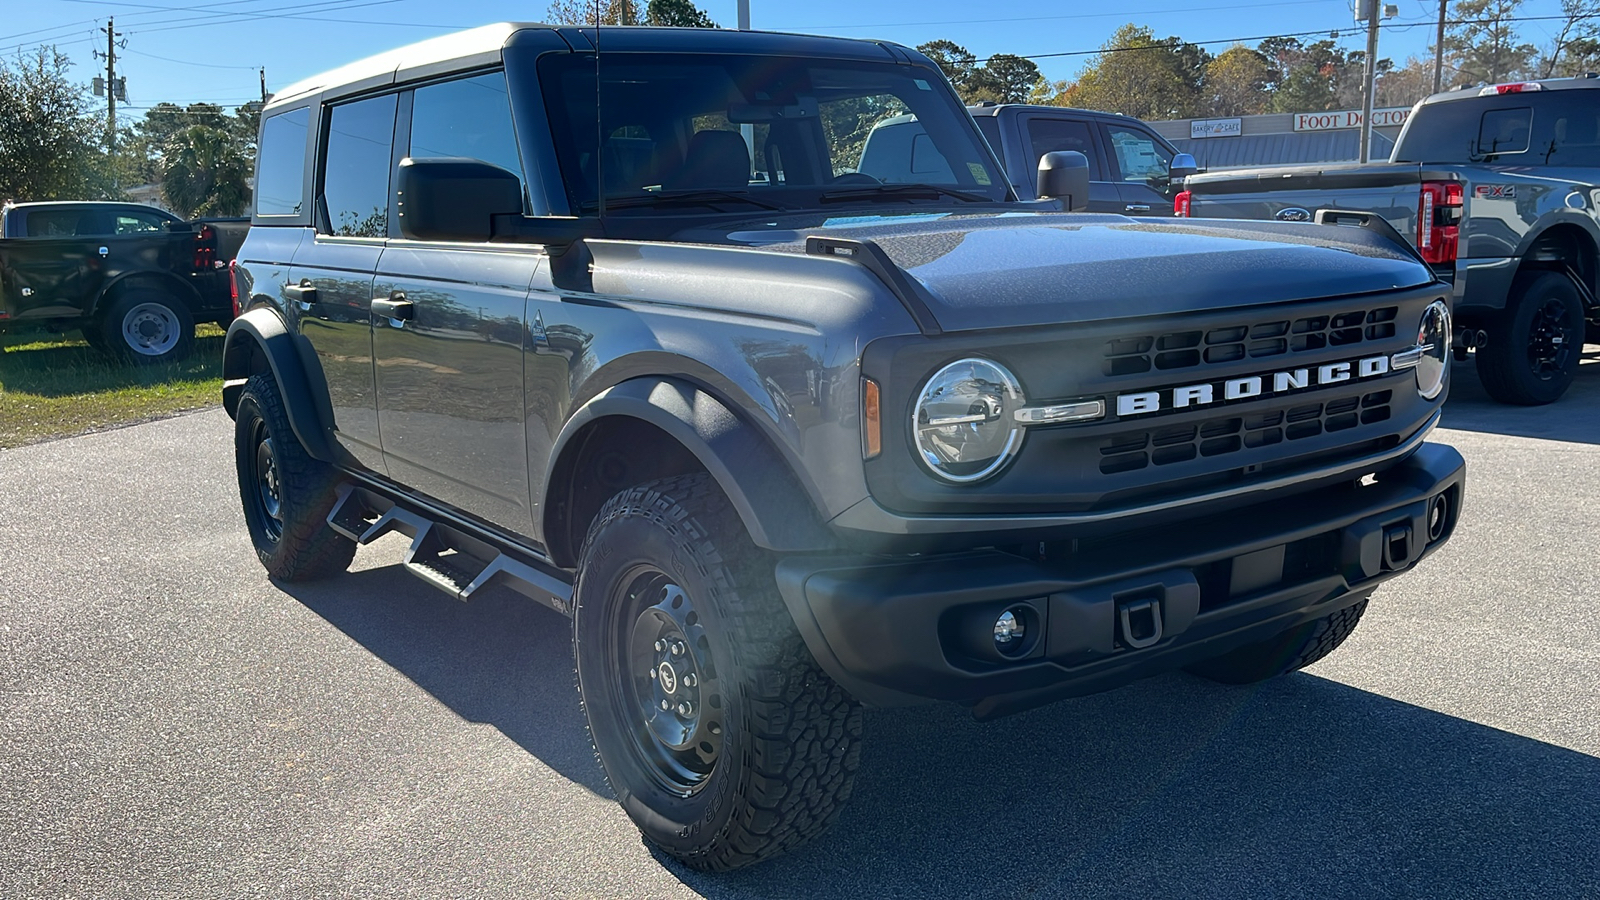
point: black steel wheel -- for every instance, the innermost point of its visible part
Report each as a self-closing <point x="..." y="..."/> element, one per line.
<point x="1535" y="344"/>
<point x="673" y="690"/>
<point x="286" y="493"/>
<point x="723" y="740"/>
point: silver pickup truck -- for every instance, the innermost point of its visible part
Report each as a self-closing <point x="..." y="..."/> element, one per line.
<point x="1497" y="187"/>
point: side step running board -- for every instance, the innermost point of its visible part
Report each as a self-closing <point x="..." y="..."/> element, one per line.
<point x="445" y="556"/>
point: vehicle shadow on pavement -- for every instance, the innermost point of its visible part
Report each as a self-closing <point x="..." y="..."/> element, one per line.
<point x="1175" y="787"/>
<point x="501" y="660"/>
<point x="1171" y="787"/>
<point x="1575" y="417"/>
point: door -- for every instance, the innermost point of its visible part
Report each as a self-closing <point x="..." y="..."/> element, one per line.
<point x="1047" y="134"/>
<point x="1141" y="165"/>
<point x="330" y="286"/>
<point x="56" y="270"/>
<point x="449" y="331"/>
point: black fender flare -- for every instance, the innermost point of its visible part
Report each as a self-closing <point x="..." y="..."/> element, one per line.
<point x="174" y="285"/>
<point x="262" y="330"/>
<point x="776" y="509"/>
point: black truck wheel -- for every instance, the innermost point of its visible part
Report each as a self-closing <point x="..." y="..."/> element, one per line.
<point x="723" y="740"/>
<point x="1534" y="345"/>
<point x="1293" y="649"/>
<point x="286" y="493"/>
<point x="145" y="325"/>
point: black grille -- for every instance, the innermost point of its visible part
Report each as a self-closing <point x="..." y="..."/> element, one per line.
<point x="1135" y="450"/>
<point x="1231" y="343"/>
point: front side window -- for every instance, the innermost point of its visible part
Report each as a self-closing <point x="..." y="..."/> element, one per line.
<point x="355" y="172"/>
<point x="134" y="222"/>
<point x="1139" y="157"/>
<point x="787" y="133"/>
<point x="470" y="117"/>
<point x="281" y="166"/>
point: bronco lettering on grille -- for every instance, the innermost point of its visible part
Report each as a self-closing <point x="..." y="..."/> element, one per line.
<point x="1191" y="395"/>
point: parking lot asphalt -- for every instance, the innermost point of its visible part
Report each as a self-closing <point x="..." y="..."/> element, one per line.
<point x="173" y="724"/>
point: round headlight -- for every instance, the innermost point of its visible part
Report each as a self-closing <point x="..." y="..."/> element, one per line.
<point x="1433" y="339"/>
<point x="965" y="421"/>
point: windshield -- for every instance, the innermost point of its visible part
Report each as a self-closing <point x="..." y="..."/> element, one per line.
<point x="744" y="132"/>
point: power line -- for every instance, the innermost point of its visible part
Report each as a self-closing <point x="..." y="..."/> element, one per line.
<point x="187" y="62"/>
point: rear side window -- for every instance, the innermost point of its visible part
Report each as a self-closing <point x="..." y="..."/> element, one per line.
<point x="1503" y="131"/>
<point x="470" y="117"/>
<point x="1050" y="135"/>
<point x="280" y="172"/>
<point x="47" y="223"/>
<point x="356" y="169"/>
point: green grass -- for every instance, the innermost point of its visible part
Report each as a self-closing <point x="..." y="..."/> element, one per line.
<point x="53" y="385"/>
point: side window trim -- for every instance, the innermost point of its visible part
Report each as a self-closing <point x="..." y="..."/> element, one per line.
<point x="321" y="220"/>
<point x="307" y="170"/>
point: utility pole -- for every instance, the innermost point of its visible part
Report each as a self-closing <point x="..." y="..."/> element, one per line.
<point x="744" y="15"/>
<point x="111" y="86"/>
<point x="1438" y="52"/>
<point x="263" y="85"/>
<point x="1373" y="10"/>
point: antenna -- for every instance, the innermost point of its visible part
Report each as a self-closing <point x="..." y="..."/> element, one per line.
<point x="599" y="124"/>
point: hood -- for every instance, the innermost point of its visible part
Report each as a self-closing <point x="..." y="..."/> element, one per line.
<point x="1027" y="269"/>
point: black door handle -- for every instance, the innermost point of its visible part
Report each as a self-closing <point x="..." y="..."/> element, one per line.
<point x="304" y="294"/>
<point x="397" y="308"/>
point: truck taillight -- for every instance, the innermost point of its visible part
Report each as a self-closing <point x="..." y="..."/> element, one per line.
<point x="1180" y="204"/>
<point x="1438" y="220"/>
<point x="205" y="249"/>
<point x="233" y="285"/>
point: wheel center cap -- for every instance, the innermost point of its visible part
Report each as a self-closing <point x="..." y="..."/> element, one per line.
<point x="667" y="678"/>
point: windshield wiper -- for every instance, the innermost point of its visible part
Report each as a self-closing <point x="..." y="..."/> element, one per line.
<point x="688" y="197"/>
<point x="901" y="192"/>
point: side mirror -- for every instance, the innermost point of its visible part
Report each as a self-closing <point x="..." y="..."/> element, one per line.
<point x="454" y="198"/>
<point x="1183" y="165"/>
<point x="1064" y="176"/>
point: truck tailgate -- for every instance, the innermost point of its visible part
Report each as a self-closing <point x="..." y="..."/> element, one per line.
<point x="1389" y="190"/>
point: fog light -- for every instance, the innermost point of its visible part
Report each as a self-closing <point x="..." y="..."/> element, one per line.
<point x="1009" y="631"/>
<point x="1438" y="518"/>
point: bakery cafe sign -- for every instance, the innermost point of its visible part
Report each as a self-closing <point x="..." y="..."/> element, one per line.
<point x="1350" y="118"/>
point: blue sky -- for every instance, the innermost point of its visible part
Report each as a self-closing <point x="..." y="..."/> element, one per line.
<point x="207" y="50"/>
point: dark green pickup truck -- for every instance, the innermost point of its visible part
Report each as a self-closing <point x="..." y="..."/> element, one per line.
<point x="133" y="278"/>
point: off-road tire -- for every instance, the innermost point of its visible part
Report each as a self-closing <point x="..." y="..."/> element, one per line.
<point x="168" y="319"/>
<point x="790" y="737"/>
<point x="1293" y="649"/>
<point x="297" y="544"/>
<point x="1507" y="365"/>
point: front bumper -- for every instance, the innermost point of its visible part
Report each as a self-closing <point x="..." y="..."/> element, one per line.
<point x="912" y="629"/>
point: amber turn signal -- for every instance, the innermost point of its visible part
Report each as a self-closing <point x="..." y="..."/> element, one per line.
<point x="871" y="423"/>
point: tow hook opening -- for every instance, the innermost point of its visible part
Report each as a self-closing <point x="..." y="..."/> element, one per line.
<point x="1397" y="546"/>
<point x="1139" y="622"/>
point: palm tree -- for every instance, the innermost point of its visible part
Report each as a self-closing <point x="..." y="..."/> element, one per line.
<point x="204" y="173"/>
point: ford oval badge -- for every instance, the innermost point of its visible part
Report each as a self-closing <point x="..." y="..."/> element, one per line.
<point x="1294" y="214"/>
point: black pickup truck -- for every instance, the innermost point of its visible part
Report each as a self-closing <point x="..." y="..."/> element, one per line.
<point x="647" y="335"/>
<point x="133" y="278"/>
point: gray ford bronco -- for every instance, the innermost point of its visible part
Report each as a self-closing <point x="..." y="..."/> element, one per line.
<point x="622" y="321"/>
